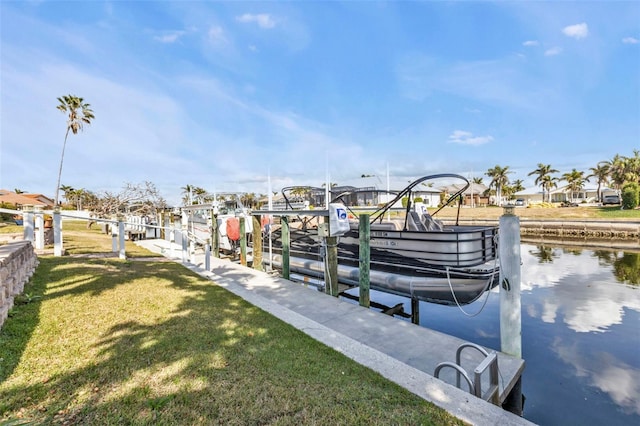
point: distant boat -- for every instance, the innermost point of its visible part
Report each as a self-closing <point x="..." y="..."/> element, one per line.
<point x="412" y="255"/>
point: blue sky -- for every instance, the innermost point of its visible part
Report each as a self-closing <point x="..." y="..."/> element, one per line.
<point x="223" y="94"/>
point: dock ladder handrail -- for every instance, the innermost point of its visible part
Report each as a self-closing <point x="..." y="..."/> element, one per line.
<point x="490" y="361"/>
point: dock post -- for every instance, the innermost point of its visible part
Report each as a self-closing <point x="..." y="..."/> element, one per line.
<point x="257" y="243"/>
<point x="415" y="310"/>
<point x="57" y="232"/>
<point x="39" y="227"/>
<point x="284" y="222"/>
<point x="510" y="307"/>
<point x="215" y="236"/>
<point x="114" y="235"/>
<point x="243" y="242"/>
<point x="365" y="259"/>
<point x="121" y="252"/>
<point x="331" y="262"/>
<point x="207" y="256"/>
<point x="27" y="223"/>
<point x="184" y="236"/>
<point x="510" y="310"/>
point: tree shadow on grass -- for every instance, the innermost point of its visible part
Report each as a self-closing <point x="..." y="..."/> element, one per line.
<point x="173" y="348"/>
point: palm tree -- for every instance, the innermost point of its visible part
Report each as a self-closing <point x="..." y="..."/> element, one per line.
<point x="200" y="194"/>
<point x="499" y="179"/>
<point x="548" y="183"/>
<point x="79" y="114"/>
<point x="477" y="181"/>
<point x="600" y="172"/>
<point x="518" y="185"/>
<point x="18" y="191"/>
<point x="67" y="191"/>
<point x="187" y="194"/>
<point x="543" y="171"/>
<point x="575" y="180"/>
<point x="617" y="168"/>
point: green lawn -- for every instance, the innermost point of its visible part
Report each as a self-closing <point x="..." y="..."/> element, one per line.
<point x="142" y="341"/>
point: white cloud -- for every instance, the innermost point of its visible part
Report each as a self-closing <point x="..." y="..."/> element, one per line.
<point x="553" y="51"/>
<point x="169" y="37"/>
<point x="576" y="31"/>
<point x="216" y="35"/>
<point x="466" y="138"/>
<point x="630" y="40"/>
<point x="263" y="20"/>
<point x="530" y="43"/>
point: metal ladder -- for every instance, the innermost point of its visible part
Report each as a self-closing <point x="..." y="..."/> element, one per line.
<point x="490" y="361"/>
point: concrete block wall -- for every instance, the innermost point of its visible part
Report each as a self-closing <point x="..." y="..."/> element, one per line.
<point x="18" y="261"/>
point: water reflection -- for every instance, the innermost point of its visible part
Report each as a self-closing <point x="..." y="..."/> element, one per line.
<point x="605" y="372"/>
<point x="626" y="265"/>
<point x="580" y="333"/>
<point x="580" y="291"/>
<point x="627" y="268"/>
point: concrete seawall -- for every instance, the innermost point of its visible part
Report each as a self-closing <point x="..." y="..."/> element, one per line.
<point x="568" y="227"/>
<point x="18" y="261"/>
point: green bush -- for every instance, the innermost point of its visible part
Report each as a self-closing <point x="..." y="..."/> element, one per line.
<point x="5" y="217"/>
<point x="630" y="196"/>
<point x="418" y="200"/>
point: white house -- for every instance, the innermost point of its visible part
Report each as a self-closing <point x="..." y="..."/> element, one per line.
<point x="588" y="194"/>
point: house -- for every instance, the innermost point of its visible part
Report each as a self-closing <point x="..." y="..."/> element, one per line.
<point x="19" y="200"/>
<point x="588" y="194"/>
<point x="473" y="196"/>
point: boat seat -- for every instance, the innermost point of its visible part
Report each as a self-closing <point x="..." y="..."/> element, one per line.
<point x="414" y="223"/>
<point x="384" y="226"/>
<point x="430" y="223"/>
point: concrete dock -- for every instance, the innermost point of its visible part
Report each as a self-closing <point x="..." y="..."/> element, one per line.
<point x="402" y="352"/>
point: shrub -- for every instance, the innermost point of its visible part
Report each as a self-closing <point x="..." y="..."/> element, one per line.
<point x="630" y="196"/>
<point x="5" y="217"/>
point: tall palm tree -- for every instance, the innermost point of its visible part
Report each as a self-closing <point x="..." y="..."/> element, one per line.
<point x="543" y="171"/>
<point x="79" y="113"/>
<point x="67" y="191"/>
<point x="199" y="193"/>
<point x="575" y="180"/>
<point x="187" y="194"/>
<point x="499" y="179"/>
<point x="548" y="183"/>
<point x="601" y="173"/>
<point x="518" y="185"/>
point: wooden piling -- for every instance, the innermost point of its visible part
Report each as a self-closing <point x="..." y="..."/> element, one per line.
<point x="257" y="243"/>
<point x="510" y="306"/>
<point x="121" y="251"/>
<point x="57" y="232"/>
<point x="39" y="227"/>
<point x="28" y="223"/>
<point x="331" y="262"/>
<point x="243" y="242"/>
<point x="286" y="249"/>
<point x="415" y="310"/>
<point x="215" y="236"/>
<point x="510" y="309"/>
<point x="364" y="228"/>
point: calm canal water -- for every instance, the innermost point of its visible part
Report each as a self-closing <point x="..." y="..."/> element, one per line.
<point x="580" y="333"/>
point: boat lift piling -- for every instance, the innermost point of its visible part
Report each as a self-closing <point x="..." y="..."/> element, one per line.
<point x="257" y="242"/>
<point x="286" y="240"/>
<point x="510" y="306"/>
<point x="365" y="259"/>
<point x="243" y="242"/>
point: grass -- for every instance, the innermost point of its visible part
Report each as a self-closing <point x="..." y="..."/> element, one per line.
<point x="551" y="213"/>
<point x="142" y="341"/>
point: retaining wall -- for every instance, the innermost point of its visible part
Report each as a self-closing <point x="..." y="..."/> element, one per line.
<point x="568" y="228"/>
<point x="18" y="261"/>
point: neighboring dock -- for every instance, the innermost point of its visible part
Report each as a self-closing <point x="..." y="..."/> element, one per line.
<point x="402" y="352"/>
